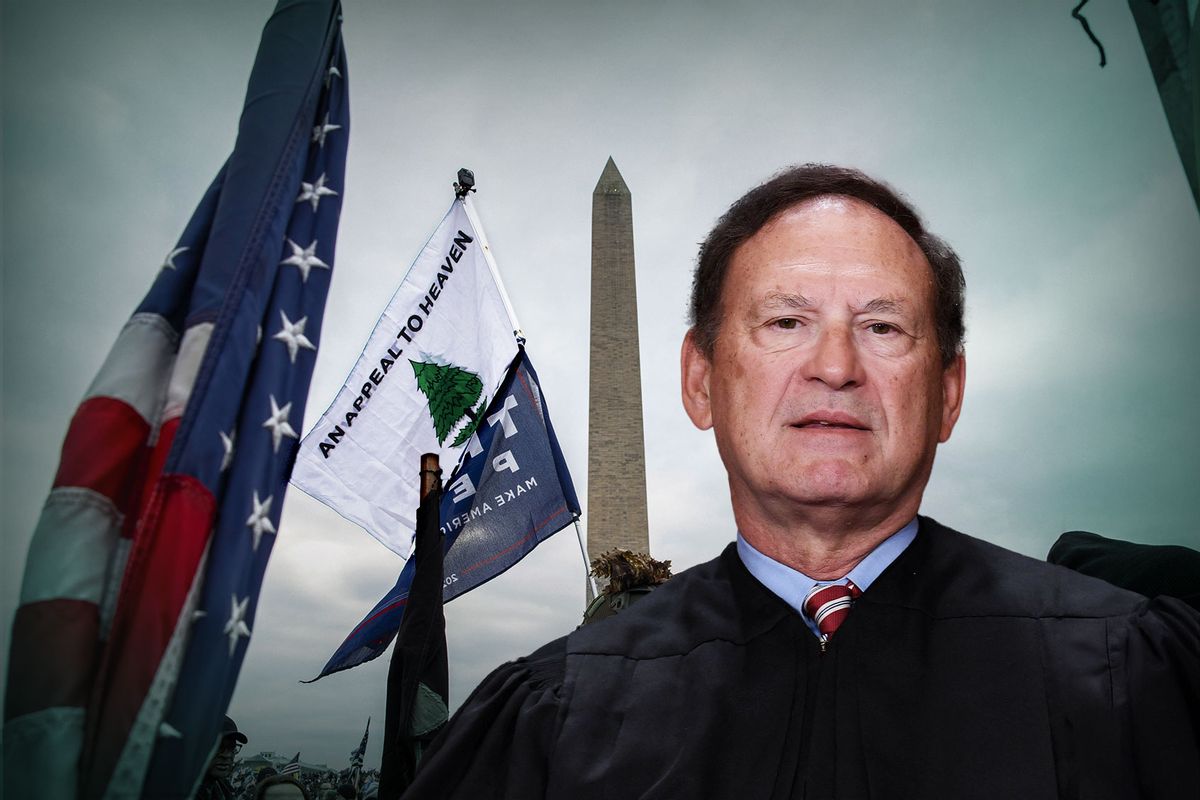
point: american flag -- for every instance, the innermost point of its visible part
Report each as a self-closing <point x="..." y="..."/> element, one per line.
<point x="144" y="571"/>
<point x="292" y="767"/>
<point x="356" y="758"/>
<point x="356" y="755"/>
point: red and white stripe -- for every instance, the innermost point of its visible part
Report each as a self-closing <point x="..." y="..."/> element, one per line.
<point x="112" y="455"/>
<point x="828" y="605"/>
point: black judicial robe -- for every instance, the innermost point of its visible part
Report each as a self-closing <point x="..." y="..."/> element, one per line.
<point x="964" y="671"/>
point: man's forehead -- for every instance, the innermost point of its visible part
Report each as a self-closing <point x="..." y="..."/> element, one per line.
<point x="882" y="304"/>
<point x="834" y="236"/>
<point x="837" y="220"/>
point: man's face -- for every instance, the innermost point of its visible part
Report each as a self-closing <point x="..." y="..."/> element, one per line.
<point x="222" y="763"/>
<point x="826" y="387"/>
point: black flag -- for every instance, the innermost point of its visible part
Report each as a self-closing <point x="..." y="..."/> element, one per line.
<point x="418" y="679"/>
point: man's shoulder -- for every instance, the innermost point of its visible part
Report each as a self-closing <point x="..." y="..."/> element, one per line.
<point x="965" y="575"/>
<point x="716" y="600"/>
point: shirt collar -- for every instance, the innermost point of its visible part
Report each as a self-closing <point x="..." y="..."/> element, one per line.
<point x="791" y="585"/>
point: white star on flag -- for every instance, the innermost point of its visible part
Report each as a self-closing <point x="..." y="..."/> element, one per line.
<point x="258" y="521"/>
<point x="321" y="130"/>
<point x="168" y="731"/>
<point x="313" y="192"/>
<point x="331" y="74"/>
<point x="169" y="261"/>
<point x="236" y="627"/>
<point x="304" y="259"/>
<point x="292" y="334"/>
<point x="227" y="443"/>
<point x="278" y="423"/>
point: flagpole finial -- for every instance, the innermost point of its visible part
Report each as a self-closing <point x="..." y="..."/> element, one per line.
<point x="465" y="183"/>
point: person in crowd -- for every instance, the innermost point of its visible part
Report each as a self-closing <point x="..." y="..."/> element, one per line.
<point x="280" y="787"/>
<point x="216" y="785"/>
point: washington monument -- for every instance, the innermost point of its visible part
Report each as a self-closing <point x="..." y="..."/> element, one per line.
<point x="616" y="453"/>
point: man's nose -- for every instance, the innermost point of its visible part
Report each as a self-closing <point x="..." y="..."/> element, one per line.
<point x="834" y="359"/>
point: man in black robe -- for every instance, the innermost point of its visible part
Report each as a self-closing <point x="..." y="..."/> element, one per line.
<point x="843" y="647"/>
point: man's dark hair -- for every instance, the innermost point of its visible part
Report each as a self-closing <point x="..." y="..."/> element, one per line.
<point x="792" y="187"/>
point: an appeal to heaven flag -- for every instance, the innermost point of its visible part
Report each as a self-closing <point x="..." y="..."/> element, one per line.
<point x="144" y="571"/>
<point x="427" y="374"/>
<point x="511" y="492"/>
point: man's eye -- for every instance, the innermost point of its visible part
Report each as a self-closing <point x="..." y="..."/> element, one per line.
<point x="787" y="323"/>
<point x="881" y="328"/>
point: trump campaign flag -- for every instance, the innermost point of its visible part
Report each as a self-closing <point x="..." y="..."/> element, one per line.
<point x="144" y="570"/>
<point x="511" y="492"/>
<point x="422" y="384"/>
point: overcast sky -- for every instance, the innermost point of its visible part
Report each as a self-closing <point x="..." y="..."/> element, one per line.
<point x="1055" y="180"/>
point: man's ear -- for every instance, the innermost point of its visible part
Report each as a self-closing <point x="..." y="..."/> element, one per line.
<point x="695" y="369"/>
<point x="954" y="379"/>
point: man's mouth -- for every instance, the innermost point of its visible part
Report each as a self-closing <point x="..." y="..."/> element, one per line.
<point x="830" y="421"/>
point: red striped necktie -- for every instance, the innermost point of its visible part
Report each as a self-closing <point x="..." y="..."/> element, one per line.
<point x="829" y="604"/>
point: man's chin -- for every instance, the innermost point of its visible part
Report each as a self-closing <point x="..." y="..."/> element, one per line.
<point x="826" y="485"/>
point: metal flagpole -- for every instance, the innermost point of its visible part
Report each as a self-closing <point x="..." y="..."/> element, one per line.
<point x="587" y="566"/>
<point x="486" y="249"/>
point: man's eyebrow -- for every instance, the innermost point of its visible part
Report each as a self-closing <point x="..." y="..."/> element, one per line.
<point x="786" y="300"/>
<point x="885" y="305"/>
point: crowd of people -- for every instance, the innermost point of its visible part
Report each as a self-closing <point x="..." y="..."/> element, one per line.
<point x="267" y="783"/>
<point x="230" y="779"/>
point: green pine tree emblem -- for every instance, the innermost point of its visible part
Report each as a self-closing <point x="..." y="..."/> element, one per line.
<point x="454" y="394"/>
